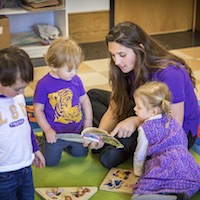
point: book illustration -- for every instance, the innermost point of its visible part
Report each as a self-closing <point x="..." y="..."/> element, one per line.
<point x="119" y="180"/>
<point x="66" y="193"/>
<point x="98" y="134"/>
<point x="91" y="134"/>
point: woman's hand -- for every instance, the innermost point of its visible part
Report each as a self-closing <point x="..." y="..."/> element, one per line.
<point x="126" y="127"/>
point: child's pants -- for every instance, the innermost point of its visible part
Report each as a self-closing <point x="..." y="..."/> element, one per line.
<point x="17" y="185"/>
<point x="53" y="151"/>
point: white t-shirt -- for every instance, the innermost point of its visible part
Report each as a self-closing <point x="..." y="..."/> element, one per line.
<point x="16" y="149"/>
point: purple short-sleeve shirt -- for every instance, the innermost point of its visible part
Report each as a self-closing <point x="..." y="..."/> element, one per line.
<point x="60" y="98"/>
<point x="182" y="90"/>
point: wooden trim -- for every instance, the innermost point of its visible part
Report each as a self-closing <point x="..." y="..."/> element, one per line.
<point x="194" y="16"/>
<point x="197" y="22"/>
<point x="166" y="32"/>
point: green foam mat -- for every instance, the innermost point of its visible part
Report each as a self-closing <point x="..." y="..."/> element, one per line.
<point x="87" y="171"/>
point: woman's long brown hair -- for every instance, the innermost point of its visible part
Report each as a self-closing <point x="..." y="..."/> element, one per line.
<point x="150" y="57"/>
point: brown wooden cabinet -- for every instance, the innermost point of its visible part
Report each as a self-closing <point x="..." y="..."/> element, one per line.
<point x="89" y="26"/>
<point x="157" y="16"/>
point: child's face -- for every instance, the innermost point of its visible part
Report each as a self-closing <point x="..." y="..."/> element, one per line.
<point x="141" y="110"/>
<point x="64" y="73"/>
<point x="15" y="89"/>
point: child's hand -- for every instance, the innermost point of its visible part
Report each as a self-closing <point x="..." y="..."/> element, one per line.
<point x="86" y="143"/>
<point x="50" y="136"/>
<point x="94" y="145"/>
<point x="39" y="160"/>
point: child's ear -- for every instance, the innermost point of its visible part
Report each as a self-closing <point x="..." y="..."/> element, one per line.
<point x="154" y="112"/>
<point x="53" y="68"/>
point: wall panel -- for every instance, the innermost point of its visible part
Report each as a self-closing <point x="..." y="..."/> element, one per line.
<point x="156" y="16"/>
<point x="89" y="26"/>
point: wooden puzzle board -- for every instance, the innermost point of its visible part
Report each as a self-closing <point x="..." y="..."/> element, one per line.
<point x="66" y="193"/>
<point x="119" y="180"/>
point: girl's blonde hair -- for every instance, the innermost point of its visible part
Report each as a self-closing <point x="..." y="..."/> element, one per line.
<point x="63" y="52"/>
<point x="155" y="94"/>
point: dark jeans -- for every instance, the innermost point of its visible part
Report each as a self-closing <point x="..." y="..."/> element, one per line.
<point x="109" y="155"/>
<point x="112" y="157"/>
<point x="100" y="102"/>
<point x="53" y="151"/>
<point x="191" y="140"/>
<point x="17" y="185"/>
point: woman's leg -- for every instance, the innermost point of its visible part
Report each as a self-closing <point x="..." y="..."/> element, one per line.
<point x="100" y="102"/>
<point x="110" y="156"/>
<point x="191" y="140"/>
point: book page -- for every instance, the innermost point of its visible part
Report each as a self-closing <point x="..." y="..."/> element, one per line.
<point x="91" y="134"/>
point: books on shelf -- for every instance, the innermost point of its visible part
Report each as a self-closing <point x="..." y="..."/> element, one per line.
<point x="42" y="4"/>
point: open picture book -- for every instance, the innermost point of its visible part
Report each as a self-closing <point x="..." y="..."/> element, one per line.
<point x="91" y="134"/>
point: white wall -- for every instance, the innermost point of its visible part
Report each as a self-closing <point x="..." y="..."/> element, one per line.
<point x="77" y="6"/>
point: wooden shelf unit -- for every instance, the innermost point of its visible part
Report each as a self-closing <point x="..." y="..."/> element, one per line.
<point x="21" y="20"/>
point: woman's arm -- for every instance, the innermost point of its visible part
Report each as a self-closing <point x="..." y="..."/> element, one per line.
<point x="178" y="112"/>
<point x="108" y="122"/>
<point x="126" y="127"/>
